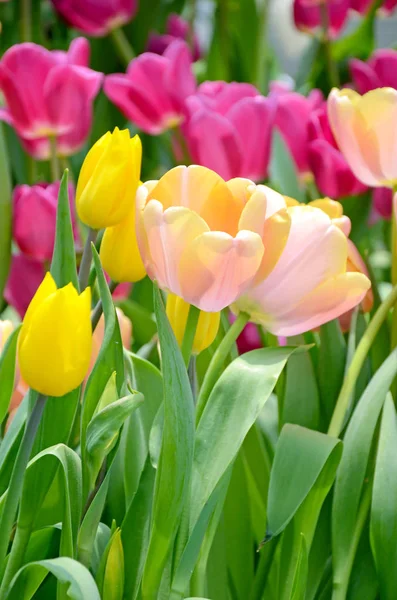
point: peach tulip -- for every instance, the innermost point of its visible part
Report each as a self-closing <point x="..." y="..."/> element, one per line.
<point x="365" y="128"/>
<point x="310" y="284"/>
<point x="204" y="239"/>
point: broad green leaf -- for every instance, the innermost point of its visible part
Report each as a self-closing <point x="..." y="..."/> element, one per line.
<point x="110" y="576"/>
<point x="233" y="407"/>
<point x="332" y="357"/>
<point x="384" y="503"/>
<point x="349" y="485"/>
<point x="283" y="173"/>
<point x="174" y="471"/>
<point x="5" y="215"/>
<point x="303" y="457"/>
<point x="43" y="544"/>
<point x="7" y="372"/>
<point x="300" y="576"/>
<point x="363" y="582"/>
<point x="28" y="579"/>
<point x="320" y="550"/>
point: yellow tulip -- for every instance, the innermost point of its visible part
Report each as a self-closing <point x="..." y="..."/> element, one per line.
<point x="108" y="179"/>
<point x="207" y="326"/>
<point x="55" y="341"/>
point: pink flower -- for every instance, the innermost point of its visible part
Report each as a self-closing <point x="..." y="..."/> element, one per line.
<point x="379" y="71"/>
<point x="96" y="17"/>
<point x="292" y="118"/>
<point x="382" y="202"/>
<point x="229" y="129"/>
<point x="177" y="28"/>
<point x="307" y="14"/>
<point x="333" y="176"/>
<point x="25" y="276"/>
<point x="153" y="91"/>
<point x="49" y="94"/>
<point x="362" y="6"/>
<point x="34" y="218"/>
<point x="249" y="339"/>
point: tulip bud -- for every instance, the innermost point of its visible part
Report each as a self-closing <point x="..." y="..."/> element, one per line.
<point x="207" y="326"/>
<point x="108" y="179"/>
<point x="55" y="340"/>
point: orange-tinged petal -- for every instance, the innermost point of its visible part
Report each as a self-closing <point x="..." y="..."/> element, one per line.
<point x="275" y="236"/>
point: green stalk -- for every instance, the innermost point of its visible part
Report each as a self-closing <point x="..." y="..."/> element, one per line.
<point x="85" y="265"/>
<point x="98" y="310"/>
<point x="54" y="163"/>
<point x="333" y="75"/>
<point x="122" y="46"/>
<point x="357" y="362"/>
<point x="26" y="21"/>
<point x="190" y="332"/>
<point x="218" y="361"/>
<point x="17" y="554"/>
<point x="394" y="271"/>
<point x="15" y="486"/>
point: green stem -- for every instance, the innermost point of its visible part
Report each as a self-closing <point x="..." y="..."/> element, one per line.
<point x="85" y="265"/>
<point x="218" y="361"/>
<point x="394" y="271"/>
<point x="190" y="332"/>
<point x="182" y="144"/>
<point x="54" y="163"/>
<point x="262" y="73"/>
<point x="17" y="477"/>
<point x="333" y="75"/>
<point x="15" y="560"/>
<point x="26" y="21"/>
<point x="122" y="45"/>
<point x="193" y="376"/>
<point x="357" y="362"/>
<point x="98" y="310"/>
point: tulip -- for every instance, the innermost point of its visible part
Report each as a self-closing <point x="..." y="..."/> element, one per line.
<point x="20" y="387"/>
<point x="120" y="253"/>
<point x="379" y="71"/>
<point x="292" y="119"/>
<point x="249" y="339"/>
<point x="177" y="28"/>
<point x="34" y="218"/>
<point x="108" y="179"/>
<point x="333" y="175"/>
<point x="382" y="202"/>
<point x="49" y="95"/>
<point x="310" y="284"/>
<point x="96" y="18"/>
<point x="307" y="14"/>
<point x="207" y="326"/>
<point x="362" y="6"/>
<point x="365" y="130"/>
<point x="203" y="239"/>
<point x="229" y="129"/>
<point x="55" y="341"/>
<point x="24" y="278"/>
<point x="153" y="91"/>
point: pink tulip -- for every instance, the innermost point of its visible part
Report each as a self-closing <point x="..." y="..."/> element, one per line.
<point x="177" y="28"/>
<point x="204" y="239"/>
<point x="382" y="201"/>
<point x="153" y="91"/>
<point x="307" y="14"/>
<point x="292" y="118"/>
<point x="49" y="94"/>
<point x="249" y="339"/>
<point x="34" y="217"/>
<point x="365" y="128"/>
<point x="309" y="284"/>
<point x="362" y="6"/>
<point x="229" y="129"/>
<point x="379" y="71"/>
<point x="333" y="176"/>
<point x="96" y="17"/>
<point x="25" y="276"/>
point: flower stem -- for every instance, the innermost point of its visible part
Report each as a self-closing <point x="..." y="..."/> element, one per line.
<point x="333" y="75"/>
<point x="26" y="21"/>
<point x="190" y="332"/>
<point x="394" y="269"/>
<point x="54" y="163"/>
<point x="85" y="265"/>
<point x="181" y="143"/>
<point x="122" y="45"/>
<point x="15" y="560"/>
<point x="357" y="362"/>
<point x="98" y="310"/>
<point x="16" y="481"/>
<point x="217" y="362"/>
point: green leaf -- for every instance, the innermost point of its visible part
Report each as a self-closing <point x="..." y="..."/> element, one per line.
<point x="332" y="357"/>
<point x="5" y="215"/>
<point x="28" y="579"/>
<point x="10" y="443"/>
<point x="282" y="170"/>
<point x="7" y="372"/>
<point x="63" y="265"/>
<point x="363" y="582"/>
<point x="303" y="457"/>
<point x="300" y="577"/>
<point x="174" y="471"/>
<point x="232" y="408"/>
<point x="349" y="485"/>
<point x="143" y="320"/>
<point x="384" y="502"/>
<point x="110" y="576"/>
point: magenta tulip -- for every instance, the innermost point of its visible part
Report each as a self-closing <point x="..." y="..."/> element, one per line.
<point x="96" y="17"/>
<point x="379" y="71"/>
<point x="382" y="202"/>
<point x="333" y="176"/>
<point x="34" y="216"/>
<point x="152" y="93"/>
<point x="177" y="28"/>
<point x="25" y="276"/>
<point x="362" y="6"/>
<point x="49" y="94"/>
<point x="229" y="129"/>
<point x="307" y="14"/>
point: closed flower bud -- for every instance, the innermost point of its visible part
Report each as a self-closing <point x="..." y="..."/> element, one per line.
<point x="108" y="179"/>
<point x="207" y="326"/>
<point x="55" y="340"/>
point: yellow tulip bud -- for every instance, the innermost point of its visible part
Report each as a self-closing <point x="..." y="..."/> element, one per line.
<point x="55" y="341"/>
<point x="207" y="326"/>
<point x="119" y="251"/>
<point x="109" y="179"/>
